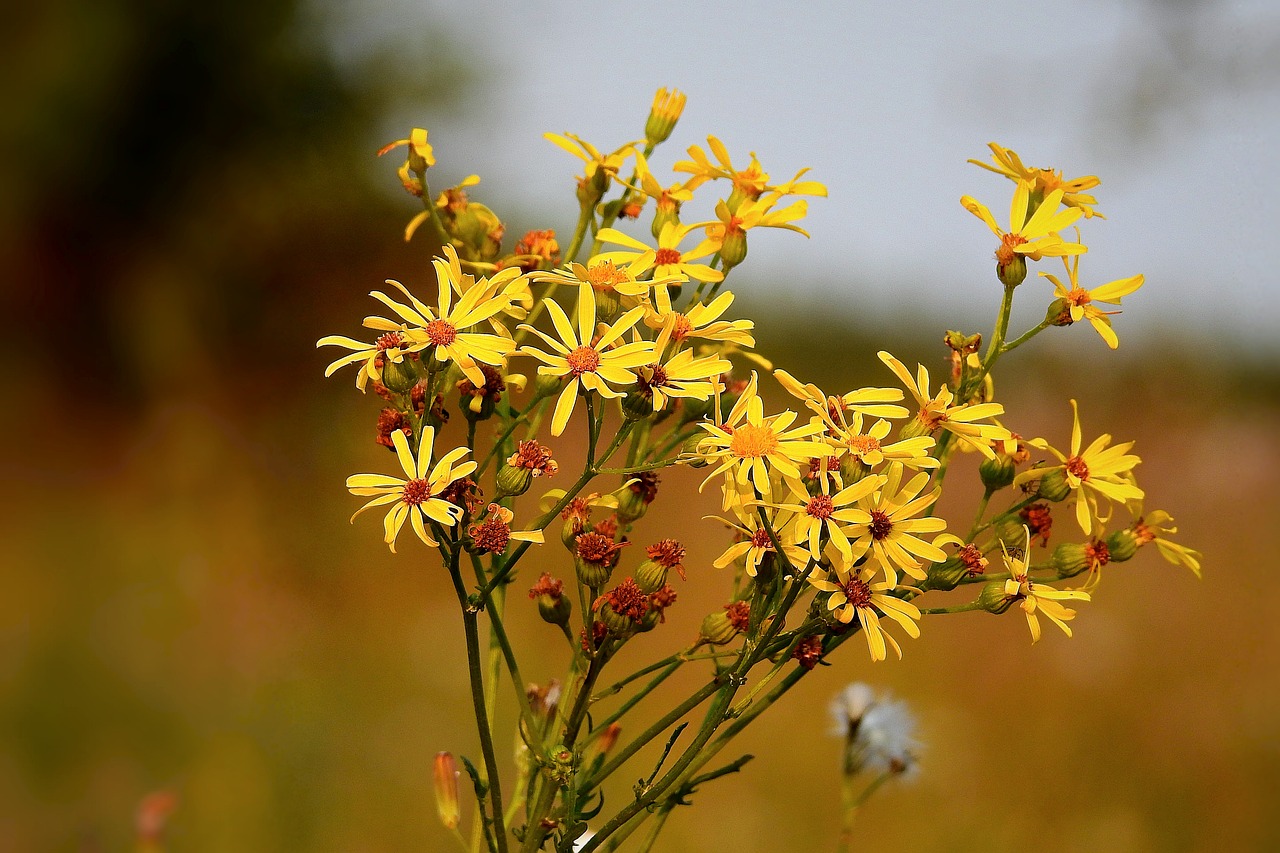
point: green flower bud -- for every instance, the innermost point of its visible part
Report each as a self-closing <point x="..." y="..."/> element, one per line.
<point x="555" y="609"/>
<point x="593" y="575"/>
<point x="618" y="624"/>
<point x="717" y="629"/>
<point x="631" y="507"/>
<point x="637" y="405"/>
<point x="546" y="386"/>
<point x="1013" y="273"/>
<point x="690" y="450"/>
<point x="998" y="472"/>
<point x="400" y="376"/>
<point x="662" y="217"/>
<point x="513" y="481"/>
<point x="663" y="115"/>
<point x="733" y="250"/>
<point x="914" y="428"/>
<point x="1054" y="486"/>
<point x="1122" y="545"/>
<point x="994" y="599"/>
<point x="650" y="576"/>
<point x="945" y="575"/>
<point x="477" y="233"/>
<point x="1059" y="313"/>
<point x="1070" y="559"/>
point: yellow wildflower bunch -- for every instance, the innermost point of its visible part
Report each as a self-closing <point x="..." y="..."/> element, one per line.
<point x="832" y="517"/>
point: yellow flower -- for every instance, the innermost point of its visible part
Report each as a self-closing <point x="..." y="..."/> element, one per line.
<point x="755" y="544"/>
<point x="703" y="322"/>
<point x="882" y="524"/>
<point x="415" y="498"/>
<point x="748" y="183"/>
<point x="819" y="518"/>
<point x="605" y="277"/>
<point x="663" y="115"/>
<point x="667" y="261"/>
<point x="1081" y="300"/>
<point x="941" y="412"/>
<point x="391" y="346"/>
<point x="589" y="363"/>
<point x="681" y="375"/>
<point x="870" y="450"/>
<point x="420" y="158"/>
<point x="1030" y="238"/>
<point x="509" y="285"/>
<point x="599" y="168"/>
<point x="1042" y="181"/>
<point x="873" y="402"/>
<point x="1035" y="597"/>
<point x="854" y="593"/>
<point x="1156" y="527"/>
<point x="747" y="444"/>
<point x="1099" y="473"/>
<point x="443" y="331"/>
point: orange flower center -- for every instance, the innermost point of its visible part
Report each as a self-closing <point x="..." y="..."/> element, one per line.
<point x="1005" y="251"/>
<point x="881" y="526"/>
<point x="1077" y="467"/>
<point x="583" y="360"/>
<point x="820" y="507"/>
<point x="760" y="539"/>
<point x="441" y="333"/>
<point x="681" y="328"/>
<point x="388" y="341"/>
<point x="666" y="256"/>
<point x="1079" y="296"/>
<point x="857" y="591"/>
<point x="861" y="445"/>
<point x="416" y="491"/>
<point x="606" y="276"/>
<point x="751" y="441"/>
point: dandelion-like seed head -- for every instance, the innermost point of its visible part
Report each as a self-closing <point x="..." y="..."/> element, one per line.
<point x="879" y="732"/>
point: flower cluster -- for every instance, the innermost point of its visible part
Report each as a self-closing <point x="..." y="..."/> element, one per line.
<point x="830" y="505"/>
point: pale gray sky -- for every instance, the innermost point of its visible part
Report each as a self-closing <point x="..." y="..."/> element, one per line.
<point x="1175" y="105"/>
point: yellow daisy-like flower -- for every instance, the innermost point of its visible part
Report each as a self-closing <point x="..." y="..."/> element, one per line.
<point x="392" y="346"/>
<point x="1099" y="473"/>
<point x="870" y="450"/>
<point x="1042" y="181"/>
<point x="415" y="498"/>
<point x="588" y="363"/>
<point x="606" y="277"/>
<point x="596" y="162"/>
<point x="941" y="412"/>
<point x="755" y="214"/>
<point x="755" y="543"/>
<point x="667" y="261"/>
<point x="1035" y="597"/>
<point x="854" y="593"/>
<point x="883" y="525"/>
<point x="1081" y="300"/>
<point x="421" y="157"/>
<point x="443" y="331"/>
<point x="681" y="375"/>
<point x="747" y="445"/>
<point x="703" y="322"/>
<point x="819" y="518"/>
<point x="1156" y="527"/>
<point x="748" y="183"/>
<point x="509" y="285"/>
<point x="1031" y="238"/>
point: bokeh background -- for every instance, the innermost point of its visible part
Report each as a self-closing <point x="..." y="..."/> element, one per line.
<point x="188" y="200"/>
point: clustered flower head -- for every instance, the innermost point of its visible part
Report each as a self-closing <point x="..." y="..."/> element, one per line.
<point x="831" y="508"/>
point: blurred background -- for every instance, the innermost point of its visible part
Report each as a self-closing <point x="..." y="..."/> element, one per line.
<point x="188" y="200"/>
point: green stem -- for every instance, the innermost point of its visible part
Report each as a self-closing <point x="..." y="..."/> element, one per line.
<point x="579" y="232"/>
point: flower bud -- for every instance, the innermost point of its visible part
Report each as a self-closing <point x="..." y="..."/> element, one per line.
<point x="400" y="376"/>
<point x="663" y="216"/>
<point x="592" y="574"/>
<point x="651" y="576"/>
<point x="477" y="232"/>
<point x="1070" y="559"/>
<point x="513" y="481"/>
<point x="994" y="599"/>
<point x="945" y="575"/>
<point x="1010" y="531"/>
<point x="1014" y="272"/>
<point x="998" y="472"/>
<point x="733" y="250"/>
<point x="914" y="428"/>
<point x="717" y="629"/>
<point x="619" y="624"/>
<point x="553" y="606"/>
<point x="690" y="450"/>
<point x="663" y="115"/>
<point x="637" y="405"/>
<point x="1122" y="545"/>
<point x="1059" y="313"/>
<point x="1054" y="486"/>
<point x="547" y="386"/>
<point x="446" y="778"/>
